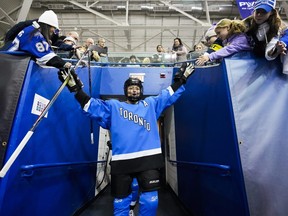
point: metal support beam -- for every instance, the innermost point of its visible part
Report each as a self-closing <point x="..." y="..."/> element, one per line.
<point x="207" y="12"/>
<point x="95" y="12"/>
<point x="26" y="5"/>
<point x="159" y="27"/>
<point x="127" y="12"/>
<point x="108" y="40"/>
<point x="147" y="40"/>
<point x="10" y="20"/>
<point x="6" y="23"/>
<point x="186" y="14"/>
<point x="88" y="6"/>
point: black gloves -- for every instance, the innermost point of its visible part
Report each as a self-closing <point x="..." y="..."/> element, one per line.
<point x="184" y="72"/>
<point x="74" y="84"/>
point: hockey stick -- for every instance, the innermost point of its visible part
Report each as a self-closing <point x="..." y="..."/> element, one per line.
<point x="31" y="131"/>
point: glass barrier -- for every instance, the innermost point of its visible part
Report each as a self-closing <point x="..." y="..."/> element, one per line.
<point x="127" y="59"/>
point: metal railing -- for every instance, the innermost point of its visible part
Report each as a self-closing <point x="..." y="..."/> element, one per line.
<point x="28" y="170"/>
<point x="223" y="170"/>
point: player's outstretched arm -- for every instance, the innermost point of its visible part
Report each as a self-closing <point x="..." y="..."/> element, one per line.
<point x="182" y="75"/>
<point x="74" y="85"/>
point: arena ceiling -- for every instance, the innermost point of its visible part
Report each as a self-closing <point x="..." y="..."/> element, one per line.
<point x="131" y="25"/>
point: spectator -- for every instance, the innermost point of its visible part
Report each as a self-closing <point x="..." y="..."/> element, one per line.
<point x="89" y="42"/>
<point x="136" y="154"/>
<point x="101" y="50"/>
<point x="132" y="59"/>
<point x="73" y="52"/>
<point x="264" y="24"/>
<point x="83" y="50"/>
<point x="198" y="47"/>
<point x="278" y="46"/>
<point x="133" y="62"/>
<point x="180" y="50"/>
<point x="146" y="61"/>
<point x="35" y="39"/>
<point x="158" y="57"/>
<point x="231" y="32"/>
<point x="74" y="35"/>
<point x="212" y="41"/>
<point x="60" y="45"/>
<point x="160" y="49"/>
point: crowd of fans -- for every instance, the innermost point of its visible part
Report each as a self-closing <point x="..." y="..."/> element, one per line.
<point x="263" y="33"/>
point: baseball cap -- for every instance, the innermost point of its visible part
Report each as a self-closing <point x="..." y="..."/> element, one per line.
<point x="266" y="5"/>
<point x="69" y="38"/>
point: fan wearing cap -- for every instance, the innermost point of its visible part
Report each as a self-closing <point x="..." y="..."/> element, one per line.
<point x="231" y="32"/>
<point x="70" y="47"/>
<point x="35" y="39"/>
<point x="264" y="24"/>
<point x="213" y="42"/>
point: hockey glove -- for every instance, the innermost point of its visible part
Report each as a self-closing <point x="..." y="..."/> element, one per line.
<point x="188" y="71"/>
<point x="180" y="72"/>
<point x="74" y="84"/>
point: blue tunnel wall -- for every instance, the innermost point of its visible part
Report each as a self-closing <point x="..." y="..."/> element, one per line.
<point x="210" y="182"/>
<point x="61" y="138"/>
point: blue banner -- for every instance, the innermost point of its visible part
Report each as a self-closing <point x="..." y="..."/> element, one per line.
<point x="245" y="7"/>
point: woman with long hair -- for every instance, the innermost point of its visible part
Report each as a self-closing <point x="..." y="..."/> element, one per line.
<point x="264" y="24"/>
<point x="231" y="32"/>
<point x="180" y="50"/>
<point x="35" y="39"/>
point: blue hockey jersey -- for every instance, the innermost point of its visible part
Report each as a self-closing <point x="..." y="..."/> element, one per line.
<point x="134" y="129"/>
<point x="34" y="43"/>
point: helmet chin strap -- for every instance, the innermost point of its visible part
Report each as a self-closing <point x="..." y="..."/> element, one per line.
<point x="133" y="99"/>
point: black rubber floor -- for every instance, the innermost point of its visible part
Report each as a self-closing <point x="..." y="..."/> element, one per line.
<point x="169" y="205"/>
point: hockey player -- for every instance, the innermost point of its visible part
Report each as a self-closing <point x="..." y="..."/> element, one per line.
<point x="137" y="153"/>
<point x="35" y="39"/>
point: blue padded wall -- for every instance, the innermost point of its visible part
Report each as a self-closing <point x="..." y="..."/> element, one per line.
<point x="259" y="93"/>
<point x="205" y="140"/>
<point x="62" y="137"/>
<point x="155" y="79"/>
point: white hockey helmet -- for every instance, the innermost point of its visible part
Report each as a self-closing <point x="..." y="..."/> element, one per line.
<point x="50" y="18"/>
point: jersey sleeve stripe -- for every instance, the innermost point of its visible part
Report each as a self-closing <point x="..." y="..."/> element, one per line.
<point x="46" y="58"/>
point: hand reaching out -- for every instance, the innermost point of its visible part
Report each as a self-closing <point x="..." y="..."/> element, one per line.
<point x="281" y="49"/>
<point x="278" y="49"/>
<point x="201" y="60"/>
<point x="74" y="83"/>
